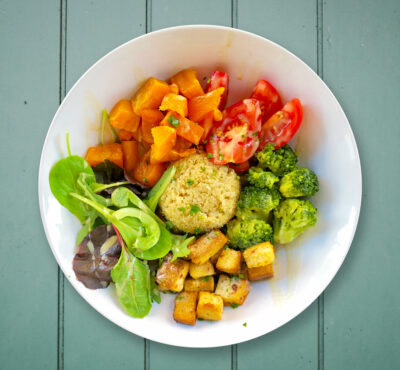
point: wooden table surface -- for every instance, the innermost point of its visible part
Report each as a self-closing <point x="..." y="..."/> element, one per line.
<point x="46" y="45"/>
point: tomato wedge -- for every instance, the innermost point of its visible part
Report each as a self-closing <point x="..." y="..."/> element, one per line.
<point x="269" y="98"/>
<point x="219" y="79"/>
<point x="282" y="126"/>
<point x="235" y="138"/>
<point x="240" y="167"/>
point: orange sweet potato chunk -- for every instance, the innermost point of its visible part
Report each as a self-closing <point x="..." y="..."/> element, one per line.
<point x="112" y="152"/>
<point x="150" y="95"/>
<point x="131" y="155"/>
<point x="123" y="117"/>
<point x="184" y="127"/>
<point x="150" y="118"/>
<point x="148" y="173"/>
<point x="203" y="104"/>
<point x="125" y="135"/>
<point x="164" y="141"/>
<point x="176" y="103"/>
<point x="188" y="83"/>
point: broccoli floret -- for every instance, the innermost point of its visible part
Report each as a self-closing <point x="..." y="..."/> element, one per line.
<point x="279" y="161"/>
<point x="291" y="218"/>
<point x="245" y="233"/>
<point x="299" y="183"/>
<point x="256" y="203"/>
<point x="260" y="178"/>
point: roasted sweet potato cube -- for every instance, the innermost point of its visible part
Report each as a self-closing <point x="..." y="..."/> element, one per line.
<point x="210" y="306"/>
<point x="259" y="255"/>
<point x="229" y="261"/>
<point x="150" y="95"/>
<point x="188" y="83"/>
<point x="261" y="273"/>
<point x="172" y="275"/>
<point x="233" y="290"/>
<point x="198" y="271"/>
<point x="205" y="283"/>
<point x="208" y="245"/>
<point x="185" y="307"/>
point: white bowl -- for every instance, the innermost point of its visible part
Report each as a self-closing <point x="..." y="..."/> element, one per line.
<point x="325" y="143"/>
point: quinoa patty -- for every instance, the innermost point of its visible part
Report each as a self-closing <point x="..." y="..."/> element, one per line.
<point x="202" y="196"/>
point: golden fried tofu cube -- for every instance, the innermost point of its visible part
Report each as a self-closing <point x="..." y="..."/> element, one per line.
<point x="229" y="261"/>
<point x="205" y="283"/>
<point x="172" y="275"/>
<point x="233" y="290"/>
<point x="210" y="306"/>
<point x="198" y="271"/>
<point x="206" y="246"/>
<point x="185" y="308"/>
<point x="259" y="255"/>
<point x="261" y="273"/>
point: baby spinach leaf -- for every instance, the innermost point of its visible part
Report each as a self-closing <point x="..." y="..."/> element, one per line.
<point x="161" y="249"/>
<point x="139" y="230"/>
<point x="159" y="188"/>
<point x="63" y="181"/>
<point x="132" y="281"/>
<point x="121" y="197"/>
<point x="180" y="246"/>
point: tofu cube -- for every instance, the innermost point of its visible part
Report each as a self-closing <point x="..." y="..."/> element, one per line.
<point x="185" y="308"/>
<point x="172" y="275"/>
<point x="210" y="306"/>
<point x="260" y="273"/>
<point x="203" y="284"/>
<point x="229" y="261"/>
<point x="198" y="271"/>
<point x="259" y="255"/>
<point x="206" y="246"/>
<point x="233" y="290"/>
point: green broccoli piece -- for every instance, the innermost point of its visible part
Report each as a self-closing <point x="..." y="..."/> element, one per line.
<point x="279" y="161"/>
<point x="256" y="203"/>
<point x="245" y="233"/>
<point x="299" y="183"/>
<point x="261" y="179"/>
<point x="291" y="218"/>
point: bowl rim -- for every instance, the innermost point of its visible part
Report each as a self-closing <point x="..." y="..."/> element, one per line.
<point x="301" y="306"/>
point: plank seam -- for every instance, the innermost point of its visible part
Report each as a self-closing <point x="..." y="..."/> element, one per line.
<point x="149" y="15"/>
<point x="61" y="95"/>
<point x="320" y="71"/>
<point x="148" y="28"/>
<point x="234" y="13"/>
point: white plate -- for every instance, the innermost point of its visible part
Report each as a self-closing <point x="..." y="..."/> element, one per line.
<point x="325" y="143"/>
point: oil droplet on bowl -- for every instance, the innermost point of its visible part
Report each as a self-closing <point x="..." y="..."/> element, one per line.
<point x="287" y="267"/>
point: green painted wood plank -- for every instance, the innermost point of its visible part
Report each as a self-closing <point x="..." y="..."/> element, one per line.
<point x="296" y="344"/>
<point x="167" y="13"/>
<point x="288" y="23"/>
<point x="93" y="29"/>
<point x="29" y="62"/>
<point x="361" y="64"/>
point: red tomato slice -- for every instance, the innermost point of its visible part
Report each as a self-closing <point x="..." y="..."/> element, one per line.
<point x="240" y="167"/>
<point x="282" y="126"/>
<point x="235" y="138"/>
<point x="219" y="79"/>
<point x="269" y="98"/>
